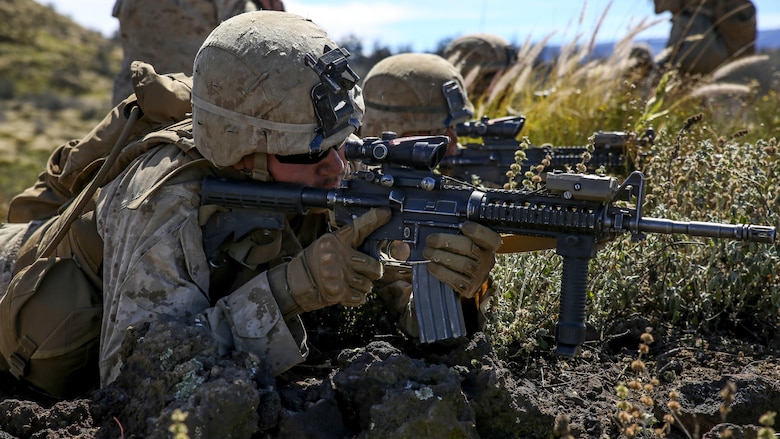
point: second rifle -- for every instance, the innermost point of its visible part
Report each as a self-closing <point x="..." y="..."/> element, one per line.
<point x="490" y="160"/>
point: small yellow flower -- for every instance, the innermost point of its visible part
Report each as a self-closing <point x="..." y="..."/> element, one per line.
<point x="622" y="391"/>
<point x="767" y="419"/>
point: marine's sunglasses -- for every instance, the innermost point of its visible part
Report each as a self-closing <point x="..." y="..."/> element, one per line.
<point x="307" y="159"/>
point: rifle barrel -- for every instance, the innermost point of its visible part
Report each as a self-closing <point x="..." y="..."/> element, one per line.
<point x="741" y="232"/>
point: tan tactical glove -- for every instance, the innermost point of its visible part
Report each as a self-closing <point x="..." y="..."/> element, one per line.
<point x="330" y="270"/>
<point x="463" y="261"/>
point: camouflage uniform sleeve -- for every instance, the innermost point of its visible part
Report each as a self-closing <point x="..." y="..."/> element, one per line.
<point x="249" y="320"/>
<point x="154" y="264"/>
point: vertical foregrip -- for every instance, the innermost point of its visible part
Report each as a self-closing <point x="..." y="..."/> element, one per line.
<point x="571" y="320"/>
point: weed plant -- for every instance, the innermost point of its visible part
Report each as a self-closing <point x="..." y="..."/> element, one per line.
<point x="715" y="159"/>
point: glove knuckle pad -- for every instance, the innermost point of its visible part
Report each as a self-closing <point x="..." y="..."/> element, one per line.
<point x="483" y="236"/>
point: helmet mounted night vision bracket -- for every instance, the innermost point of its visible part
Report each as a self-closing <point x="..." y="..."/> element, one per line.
<point x="332" y="103"/>
<point x="456" y="103"/>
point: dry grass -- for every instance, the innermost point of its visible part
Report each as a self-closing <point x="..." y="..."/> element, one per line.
<point x="571" y="96"/>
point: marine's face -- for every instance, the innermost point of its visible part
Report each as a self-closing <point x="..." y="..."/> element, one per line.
<point x="327" y="173"/>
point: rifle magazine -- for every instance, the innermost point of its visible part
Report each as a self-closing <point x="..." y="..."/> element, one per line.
<point x="437" y="306"/>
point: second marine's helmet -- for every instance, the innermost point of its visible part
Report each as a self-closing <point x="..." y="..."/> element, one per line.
<point x="489" y="52"/>
<point x="414" y="92"/>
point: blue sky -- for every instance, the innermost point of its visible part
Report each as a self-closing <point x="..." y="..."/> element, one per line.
<point x="421" y="24"/>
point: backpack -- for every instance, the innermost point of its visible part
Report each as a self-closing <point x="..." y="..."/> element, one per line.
<point x="51" y="313"/>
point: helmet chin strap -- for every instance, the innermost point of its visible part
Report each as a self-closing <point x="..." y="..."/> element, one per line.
<point x="260" y="168"/>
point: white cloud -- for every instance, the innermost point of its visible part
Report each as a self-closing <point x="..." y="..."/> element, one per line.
<point x="368" y="20"/>
<point x="392" y="23"/>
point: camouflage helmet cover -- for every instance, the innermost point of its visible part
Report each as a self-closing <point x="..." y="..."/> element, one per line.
<point x="414" y="92"/>
<point x="489" y="52"/>
<point x="254" y="84"/>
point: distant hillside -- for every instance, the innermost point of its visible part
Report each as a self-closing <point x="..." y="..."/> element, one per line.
<point x="42" y="52"/>
<point x="55" y="85"/>
<point x="767" y="40"/>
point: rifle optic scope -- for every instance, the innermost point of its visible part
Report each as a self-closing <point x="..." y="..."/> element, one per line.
<point x="418" y="152"/>
<point x="503" y="127"/>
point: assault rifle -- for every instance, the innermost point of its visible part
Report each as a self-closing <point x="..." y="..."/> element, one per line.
<point x="491" y="159"/>
<point x="572" y="214"/>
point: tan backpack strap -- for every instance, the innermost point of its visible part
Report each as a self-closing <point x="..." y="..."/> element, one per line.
<point x="135" y="204"/>
<point x="19" y="360"/>
<point x="83" y="198"/>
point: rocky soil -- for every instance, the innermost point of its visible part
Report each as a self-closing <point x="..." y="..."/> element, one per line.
<point x="174" y="381"/>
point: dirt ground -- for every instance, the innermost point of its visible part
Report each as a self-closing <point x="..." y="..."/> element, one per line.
<point x="174" y="381"/>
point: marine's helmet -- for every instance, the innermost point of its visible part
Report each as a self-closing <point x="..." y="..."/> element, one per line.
<point x="270" y="82"/>
<point x="478" y="57"/>
<point x="487" y="51"/>
<point x="414" y="92"/>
